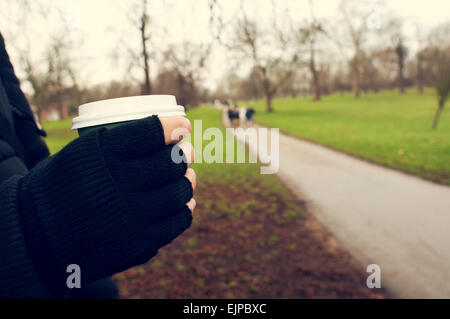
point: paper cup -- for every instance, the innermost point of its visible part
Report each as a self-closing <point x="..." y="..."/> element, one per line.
<point x="114" y="112"/>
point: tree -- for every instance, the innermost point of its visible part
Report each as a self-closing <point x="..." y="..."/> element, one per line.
<point x="238" y="88"/>
<point x="382" y="64"/>
<point x="269" y="54"/>
<point x="138" y="54"/>
<point x="439" y="51"/>
<point x="57" y="81"/>
<point x="356" y="26"/>
<point x="145" y="37"/>
<point x="309" y="35"/>
<point x="368" y="73"/>
<point x="188" y="61"/>
<point x="400" y="51"/>
<point x="46" y="62"/>
<point x="419" y="60"/>
<point x="441" y="81"/>
<point x="397" y="38"/>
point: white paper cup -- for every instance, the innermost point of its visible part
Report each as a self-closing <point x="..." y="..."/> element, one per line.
<point x="113" y="112"/>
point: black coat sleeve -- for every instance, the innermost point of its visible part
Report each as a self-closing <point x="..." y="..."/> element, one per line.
<point x="18" y="275"/>
<point x="10" y="163"/>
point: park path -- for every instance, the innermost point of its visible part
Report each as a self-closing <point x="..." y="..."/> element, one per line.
<point x="381" y="216"/>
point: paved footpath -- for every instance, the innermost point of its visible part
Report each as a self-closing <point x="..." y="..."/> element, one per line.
<point x="381" y="216"/>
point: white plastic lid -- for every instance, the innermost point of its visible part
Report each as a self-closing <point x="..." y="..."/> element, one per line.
<point x="126" y="109"/>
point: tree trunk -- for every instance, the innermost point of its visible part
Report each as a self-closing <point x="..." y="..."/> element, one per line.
<point x="59" y="103"/>
<point x="181" y="96"/>
<point x="355" y="83"/>
<point x="315" y="84"/>
<point x="269" y="103"/>
<point x="146" y="87"/>
<point x="420" y="87"/>
<point x="419" y="74"/>
<point x="438" y="114"/>
<point x="354" y="68"/>
<point x="314" y="77"/>
<point x="268" y="92"/>
<point x="400" y="50"/>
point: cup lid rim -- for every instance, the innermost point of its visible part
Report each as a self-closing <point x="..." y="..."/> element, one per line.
<point x="88" y="122"/>
<point x="125" y="109"/>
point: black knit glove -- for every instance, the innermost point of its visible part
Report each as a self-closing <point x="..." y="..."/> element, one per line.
<point x="106" y="202"/>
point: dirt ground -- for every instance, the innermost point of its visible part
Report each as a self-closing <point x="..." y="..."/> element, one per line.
<point x="250" y="239"/>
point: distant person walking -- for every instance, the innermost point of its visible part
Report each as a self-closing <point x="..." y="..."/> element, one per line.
<point x="249" y="116"/>
<point x="242" y="117"/>
<point x="233" y="115"/>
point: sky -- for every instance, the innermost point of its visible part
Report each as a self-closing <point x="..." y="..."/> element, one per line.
<point x="100" y="27"/>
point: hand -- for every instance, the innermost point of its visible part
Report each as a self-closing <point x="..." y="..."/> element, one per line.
<point x="109" y="200"/>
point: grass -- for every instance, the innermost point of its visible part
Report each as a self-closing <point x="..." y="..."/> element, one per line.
<point x="250" y="238"/>
<point x="386" y="128"/>
<point x="59" y="134"/>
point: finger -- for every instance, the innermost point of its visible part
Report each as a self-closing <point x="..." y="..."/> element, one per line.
<point x="191" y="204"/>
<point x="170" y="228"/>
<point x="154" y="170"/>
<point x="159" y="203"/>
<point x="191" y="176"/>
<point x="134" y="139"/>
<point x="188" y="152"/>
<point x="175" y="128"/>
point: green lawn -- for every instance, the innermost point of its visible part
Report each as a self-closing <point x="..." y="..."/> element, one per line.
<point x="59" y="134"/>
<point x="387" y="128"/>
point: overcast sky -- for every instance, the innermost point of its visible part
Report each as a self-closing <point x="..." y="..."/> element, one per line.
<point x="101" y="23"/>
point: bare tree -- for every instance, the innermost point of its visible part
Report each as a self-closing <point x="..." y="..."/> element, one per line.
<point x="393" y="30"/>
<point x="441" y="81"/>
<point x="46" y="62"/>
<point x="420" y="60"/>
<point x="188" y="61"/>
<point x="274" y="68"/>
<point x="309" y="35"/>
<point x="218" y="26"/>
<point x="138" y="57"/>
<point x="356" y="24"/>
<point x="52" y="84"/>
<point x="40" y="82"/>
<point x="141" y="21"/>
<point x="145" y="37"/>
<point x="400" y="51"/>
<point x="382" y="64"/>
<point x="420" y="71"/>
<point x="439" y="56"/>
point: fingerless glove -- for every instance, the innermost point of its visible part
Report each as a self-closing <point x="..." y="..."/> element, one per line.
<point x="106" y="202"/>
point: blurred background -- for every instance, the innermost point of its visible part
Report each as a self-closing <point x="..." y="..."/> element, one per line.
<point x="369" y="78"/>
<point x="201" y="50"/>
